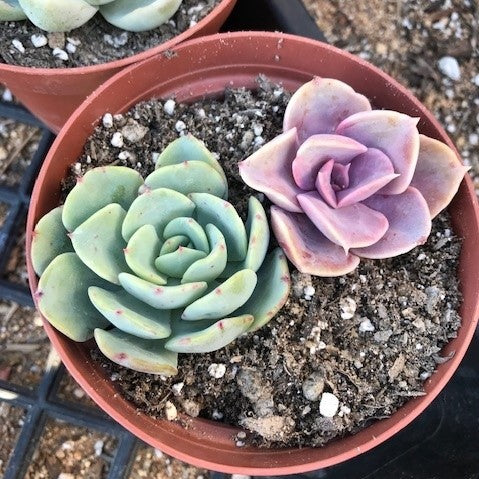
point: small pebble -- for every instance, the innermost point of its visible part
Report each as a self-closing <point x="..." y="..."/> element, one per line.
<point x="60" y="54"/>
<point x="39" y="40"/>
<point x="177" y="388"/>
<point x="158" y="453"/>
<point x="65" y="475"/>
<point x="217" y="371"/>
<point x="348" y="307"/>
<point x="169" y="107"/>
<point x="240" y="476"/>
<point x="170" y="411"/>
<point x="107" y="120"/>
<point x="313" y="386"/>
<point x="217" y="415"/>
<point x="7" y="95"/>
<point x="56" y="40"/>
<point x="117" y="140"/>
<point x="98" y="446"/>
<point x="180" y="126"/>
<point x="366" y="326"/>
<point x="450" y="67"/>
<point x="474" y="139"/>
<point x="71" y="48"/>
<point x="74" y="41"/>
<point x="329" y="405"/>
<point x="309" y="291"/>
<point x="18" y="45"/>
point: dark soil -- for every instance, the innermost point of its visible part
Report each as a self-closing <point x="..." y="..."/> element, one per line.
<point x="96" y="42"/>
<point x="11" y="422"/>
<point x="370" y="338"/>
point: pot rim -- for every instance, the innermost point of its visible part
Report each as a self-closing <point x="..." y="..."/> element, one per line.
<point x="401" y="417"/>
<point x="190" y="32"/>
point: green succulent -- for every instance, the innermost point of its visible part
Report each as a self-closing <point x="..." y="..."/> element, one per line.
<point x="65" y="15"/>
<point x="166" y="261"/>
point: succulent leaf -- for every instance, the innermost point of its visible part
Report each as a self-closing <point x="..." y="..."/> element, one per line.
<point x="140" y="15"/>
<point x="99" y="244"/>
<point x="141" y="252"/>
<point x="224" y="299"/>
<point x="157" y="208"/>
<point x="210" y="267"/>
<point x="97" y="189"/>
<point x="183" y="226"/>
<point x="130" y="314"/>
<point x="10" y="10"/>
<point x="211" y="209"/>
<point x="438" y="174"/>
<point x="204" y="337"/>
<point x="173" y="243"/>
<point x="49" y="240"/>
<point x="162" y="297"/>
<point x="177" y="263"/>
<point x="409" y="224"/>
<point x="69" y="309"/>
<point x="189" y="148"/>
<point x="144" y="355"/>
<point x="189" y="177"/>
<point x="272" y="290"/>
<point x="320" y="105"/>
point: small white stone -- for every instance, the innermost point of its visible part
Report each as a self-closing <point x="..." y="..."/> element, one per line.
<point x="366" y="326"/>
<point x="475" y="80"/>
<point x="117" y="140"/>
<point x="39" y="40"/>
<point x="240" y="476"/>
<point x="348" y="307"/>
<point x="7" y="95"/>
<point x="217" y="370"/>
<point x="474" y="139"/>
<point x="450" y="67"/>
<point x="158" y="453"/>
<point x="170" y="411"/>
<point x="217" y="415"/>
<point x="309" y="290"/>
<point x="362" y="278"/>
<point x="177" y="388"/>
<point x="71" y="48"/>
<point x="180" y="126"/>
<point x="61" y="54"/>
<point x="258" y="130"/>
<point x="124" y="155"/>
<point x="328" y="405"/>
<point x="425" y="375"/>
<point x="201" y="113"/>
<point x="421" y="257"/>
<point x="65" y="475"/>
<point x="107" y="120"/>
<point x="18" y="45"/>
<point x="98" y="446"/>
<point x="169" y="107"/>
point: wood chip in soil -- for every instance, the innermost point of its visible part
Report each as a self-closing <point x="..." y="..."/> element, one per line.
<point x="95" y="42"/>
<point x="69" y="452"/>
<point x="11" y="422"/>
<point x="370" y="338"/>
<point x="24" y="346"/>
<point x="152" y="463"/>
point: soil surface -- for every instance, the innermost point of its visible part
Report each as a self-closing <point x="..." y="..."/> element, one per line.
<point x="15" y="270"/>
<point x="368" y="340"/>
<point x="429" y="46"/>
<point x="95" y="42"/>
<point x="24" y="346"/>
<point x="69" y="452"/>
<point x="153" y="464"/>
<point x="4" y="209"/>
<point x="11" y="422"/>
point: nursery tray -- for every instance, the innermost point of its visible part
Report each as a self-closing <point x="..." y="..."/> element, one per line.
<point x="440" y="444"/>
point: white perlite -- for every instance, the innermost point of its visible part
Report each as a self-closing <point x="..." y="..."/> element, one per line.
<point x="117" y="140"/>
<point x="107" y="120"/>
<point x="169" y="107"/>
<point x="348" y="307"/>
<point x="449" y="67"/>
<point x="98" y="446"/>
<point x="329" y="405"/>
<point x="39" y="40"/>
<point x="177" y="388"/>
<point x="309" y="291"/>
<point x="170" y="411"/>
<point x="61" y="54"/>
<point x="217" y="370"/>
<point x="180" y="126"/>
<point x="366" y="326"/>
<point x="18" y="45"/>
<point x="240" y="476"/>
<point x="71" y="48"/>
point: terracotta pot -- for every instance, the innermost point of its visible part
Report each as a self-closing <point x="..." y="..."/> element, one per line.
<point x="53" y="94"/>
<point x="205" y="67"/>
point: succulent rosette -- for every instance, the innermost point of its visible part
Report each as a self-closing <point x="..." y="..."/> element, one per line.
<point x="350" y="182"/>
<point x="157" y="267"/>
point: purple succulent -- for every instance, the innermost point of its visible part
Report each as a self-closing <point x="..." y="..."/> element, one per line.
<point x="348" y="181"/>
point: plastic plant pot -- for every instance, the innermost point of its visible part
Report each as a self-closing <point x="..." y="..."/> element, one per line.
<point x="53" y="94"/>
<point x="205" y="67"/>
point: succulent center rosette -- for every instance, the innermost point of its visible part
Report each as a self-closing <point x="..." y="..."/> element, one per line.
<point x="348" y="181"/>
<point x="66" y="15"/>
<point x="170" y="270"/>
